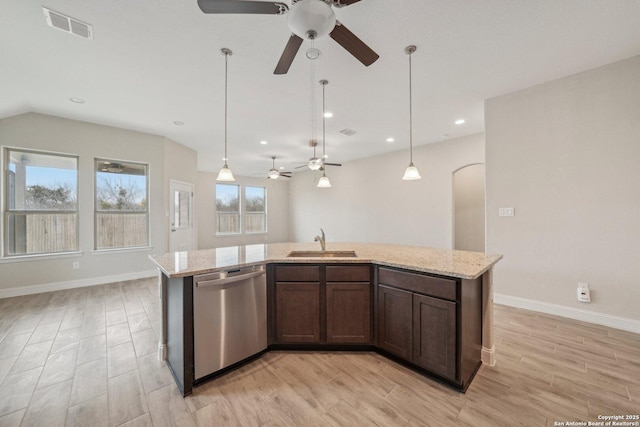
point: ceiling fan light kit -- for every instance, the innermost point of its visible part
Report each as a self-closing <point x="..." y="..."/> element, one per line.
<point x="275" y="173"/>
<point x="411" y="172"/>
<point x="311" y="18"/>
<point x="225" y="174"/>
<point x="308" y="19"/>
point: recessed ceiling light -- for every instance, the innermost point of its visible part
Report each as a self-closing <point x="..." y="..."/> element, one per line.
<point x="77" y="100"/>
<point x="390" y="139"/>
<point x="328" y="114"/>
<point x="459" y="121"/>
<point x="178" y="123"/>
<point x="281" y="167"/>
<point x="263" y="142"/>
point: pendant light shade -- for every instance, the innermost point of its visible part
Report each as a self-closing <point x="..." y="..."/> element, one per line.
<point x="225" y="173"/>
<point x="323" y="182"/>
<point x="411" y="172"/>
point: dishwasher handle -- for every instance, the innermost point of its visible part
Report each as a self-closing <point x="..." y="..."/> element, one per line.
<point x="221" y="282"/>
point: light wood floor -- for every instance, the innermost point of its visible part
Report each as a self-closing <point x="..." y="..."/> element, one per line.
<point x="88" y="357"/>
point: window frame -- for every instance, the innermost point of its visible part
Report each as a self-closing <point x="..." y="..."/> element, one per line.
<point x="7" y="211"/>
<point x="239" y="213"/>
<point x="97" y="212"/>
<point x="264" y="212"/>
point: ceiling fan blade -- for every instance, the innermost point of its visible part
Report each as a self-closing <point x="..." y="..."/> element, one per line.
<point x="288" y="55"/>
<point x="342" y="3"/>
<point x="306" y="165"/>
<point x="353" y="44"/>
<point x="333" y="164"/>
<point x="242" y="6"/>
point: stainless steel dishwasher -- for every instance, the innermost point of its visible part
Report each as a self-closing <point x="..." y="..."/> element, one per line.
<point x="229" y="318"/>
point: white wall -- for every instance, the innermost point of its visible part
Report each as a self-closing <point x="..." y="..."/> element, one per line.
<point x="88" y="141"/>
<point x="566" y="156"/>
<point x="277" y="212"/>
<point x="369" y="201"/>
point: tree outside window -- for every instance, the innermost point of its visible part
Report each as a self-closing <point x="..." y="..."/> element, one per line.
<point x="227" y="209"/>
<point x="256" y="209"/>
<point x="122" y="214"/>
<point x="41" y="209"/>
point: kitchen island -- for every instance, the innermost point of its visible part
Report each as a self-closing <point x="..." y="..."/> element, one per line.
<point x="408" y="298"/>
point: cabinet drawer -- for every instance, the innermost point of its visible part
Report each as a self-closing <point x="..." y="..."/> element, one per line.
<point x="351" y="273"/>
<point x="428" y="285"/>
<point x="297" y="273"/>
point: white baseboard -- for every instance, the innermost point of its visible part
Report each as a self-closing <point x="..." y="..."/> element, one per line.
<point x="71" y="284"/>
<point x="616" y="322"/>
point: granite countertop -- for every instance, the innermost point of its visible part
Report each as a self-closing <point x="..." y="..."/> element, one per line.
<point x="446" y="262"/>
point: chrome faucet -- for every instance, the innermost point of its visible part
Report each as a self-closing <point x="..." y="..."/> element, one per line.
<point x="321" y="240"/>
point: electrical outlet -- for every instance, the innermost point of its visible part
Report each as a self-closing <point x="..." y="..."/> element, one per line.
<point x="76" y="265"/>
<point x="506" y="211"/>
<point x="584" y="295"/>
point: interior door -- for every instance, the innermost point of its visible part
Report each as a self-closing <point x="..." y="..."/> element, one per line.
<point x="181" y="216"/>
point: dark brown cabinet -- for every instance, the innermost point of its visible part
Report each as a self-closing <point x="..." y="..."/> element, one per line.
<point x="319" y="304"/>
<point x="298" y="312"/>
<point x="395" y="323"/>
<point x="434" y="335"/>
<point x="432" y="322"/>
<point x="297" y="304"/>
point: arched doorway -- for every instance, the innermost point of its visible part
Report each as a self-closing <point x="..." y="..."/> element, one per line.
<point x="469" y="208"/>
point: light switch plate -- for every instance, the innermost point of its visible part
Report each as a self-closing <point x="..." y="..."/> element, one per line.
<point x="506" y="211"/>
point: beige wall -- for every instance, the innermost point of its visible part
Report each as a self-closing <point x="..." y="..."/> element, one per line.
<point x="469" y="208"/>
<point x="87" y="140"/>
<point x="566" y="156"/>
<point x="277" y="212"/>
<point x="369" y="201"/>
<point x="180" y="165"/>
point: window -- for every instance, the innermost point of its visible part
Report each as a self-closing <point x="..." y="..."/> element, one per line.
<point x="41" y="207"/>
<point x="122" y="212"/>
<point x="256" y="211"/>
<point x="227" y="209"/>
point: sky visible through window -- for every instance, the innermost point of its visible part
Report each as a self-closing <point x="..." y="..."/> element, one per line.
<point x="49" y="177"/>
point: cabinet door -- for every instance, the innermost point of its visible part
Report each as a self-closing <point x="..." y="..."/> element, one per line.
<point x="349" y="313"/>
<point x="298" y="312"/>
<point x="434" y="335"/>
<point x="395" y="321"/>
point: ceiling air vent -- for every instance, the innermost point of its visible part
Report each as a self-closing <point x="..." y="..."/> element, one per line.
<point x="348" y="132"/>
<point x="68" y="24"/>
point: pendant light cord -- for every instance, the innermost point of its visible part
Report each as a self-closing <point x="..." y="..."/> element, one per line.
<point x="226" y="62"/>
<point x="313" y="101"/>
<point x="323" y="118"/>
<point x="410" y="117"/>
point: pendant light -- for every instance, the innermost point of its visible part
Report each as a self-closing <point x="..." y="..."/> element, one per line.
<point x="225" y="173"/>
<point x="411" y="172"/>
<point x="324" y="181"/>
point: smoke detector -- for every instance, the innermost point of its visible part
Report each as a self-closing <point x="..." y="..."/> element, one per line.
<point x="68" y="24"/>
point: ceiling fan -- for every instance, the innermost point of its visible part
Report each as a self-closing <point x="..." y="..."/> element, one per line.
<point x="308" y="19"/>
<point x="316" y="163"/>
<point x="275" y="173"/>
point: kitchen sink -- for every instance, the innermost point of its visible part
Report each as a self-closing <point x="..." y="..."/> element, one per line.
<point x="322" y="254"/>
